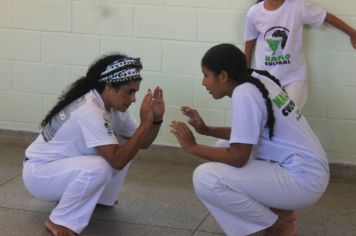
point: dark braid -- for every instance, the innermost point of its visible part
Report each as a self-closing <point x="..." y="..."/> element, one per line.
<point x="266" y="74"/>
<point x="229" y="58"/>
<point x="83" y="85"/>
<point x="264" y="92"/>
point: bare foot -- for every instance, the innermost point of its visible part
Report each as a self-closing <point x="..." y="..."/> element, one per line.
<point x="58" y="230"/>
<point x="289" y="216"/>
<point x="281" y="228"/>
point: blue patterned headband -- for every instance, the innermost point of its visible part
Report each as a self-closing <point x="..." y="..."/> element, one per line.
<point x="122" y="70"/>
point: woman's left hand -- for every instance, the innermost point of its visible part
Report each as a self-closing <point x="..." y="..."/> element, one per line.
<point x="158" y="104"/>
<point x="183" y="135"/>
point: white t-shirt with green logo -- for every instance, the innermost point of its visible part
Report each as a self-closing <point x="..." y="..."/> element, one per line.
<point x="79" y="128"/>
<point x="294" y="145"/>
<point x="279" y="34"/>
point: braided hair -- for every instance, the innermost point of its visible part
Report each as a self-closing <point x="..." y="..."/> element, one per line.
<point x="84" y="84"/>
<point x="229" y="58"/>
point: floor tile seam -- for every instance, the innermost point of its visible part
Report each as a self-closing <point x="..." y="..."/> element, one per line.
<point x="201" y="222"/>
<point x="25" y="210"/>
<point x="8" y="181"/>
<point x="115" y="221"/>
<point x="346" y="212"/>
<point x="209" y="232"/>
<point x="161" y="185"/>
<point x="169" y="162"/>
<point x="330" y="215"/>
<point x="142" y="224"/>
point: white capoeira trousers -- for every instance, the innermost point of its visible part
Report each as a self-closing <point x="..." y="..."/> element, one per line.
<point x="78" y="183"/>
<point x="240" y="198"/>
<point x="298" y="92"/>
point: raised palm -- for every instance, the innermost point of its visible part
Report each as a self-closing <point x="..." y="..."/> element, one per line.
<point x="195" y="120"/>
<point x="158" y="104"/>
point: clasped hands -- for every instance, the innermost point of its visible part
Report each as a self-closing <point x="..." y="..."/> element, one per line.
<point x="152" y="107"/>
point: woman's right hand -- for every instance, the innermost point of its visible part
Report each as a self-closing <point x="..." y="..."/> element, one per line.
<point x="195" y="120"/>
<point x="146" y="110"/>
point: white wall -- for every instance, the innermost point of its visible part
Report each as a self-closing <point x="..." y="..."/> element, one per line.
<point x="47" y="44"/>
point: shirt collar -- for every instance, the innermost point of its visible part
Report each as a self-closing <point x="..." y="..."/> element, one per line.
<point x="98" y="99"/>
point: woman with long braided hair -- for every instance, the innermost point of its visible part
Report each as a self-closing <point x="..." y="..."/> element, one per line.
<point x="272" y="163"/>
<point x="88" y="140"/>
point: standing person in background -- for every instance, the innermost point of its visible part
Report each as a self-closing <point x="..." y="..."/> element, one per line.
<point x="288" y="169"/>
<point x="275" y="27"/>
<point x="88" y="140"/>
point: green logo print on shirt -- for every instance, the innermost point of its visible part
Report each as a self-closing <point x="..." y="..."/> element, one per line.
<point x="276" y="39"/>
<point x="273" y="44"/>
<point x="281" y="101"/>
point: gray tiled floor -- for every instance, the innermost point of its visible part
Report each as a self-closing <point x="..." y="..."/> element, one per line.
<point x="158" y="200"/>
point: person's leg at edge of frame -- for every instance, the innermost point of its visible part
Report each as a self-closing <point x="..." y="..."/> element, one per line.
<point x="298" y="92"/>
<point x="226" y="191"/>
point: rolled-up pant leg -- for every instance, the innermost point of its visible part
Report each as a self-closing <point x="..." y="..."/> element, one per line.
<point x="240" y="198"/>
<point x="77" y="183"/>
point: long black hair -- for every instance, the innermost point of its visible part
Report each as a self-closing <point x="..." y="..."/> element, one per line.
<point x="259" y="1"/>
<point x="84" y="84"/>
<point x="229" y="58"/>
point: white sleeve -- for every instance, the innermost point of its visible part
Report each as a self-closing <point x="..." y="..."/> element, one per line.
<point x="97" y="129"/>
<point x="246" y="120"/>
<point x="124" y="124"/>
<point x="129" y="127"/>
<point x="313" y="15"/>
<point x="251" y="31"/>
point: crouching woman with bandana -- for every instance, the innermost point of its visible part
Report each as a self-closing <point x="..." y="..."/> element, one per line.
<point x="288" y="169"/>
<point x="87" y="141"/>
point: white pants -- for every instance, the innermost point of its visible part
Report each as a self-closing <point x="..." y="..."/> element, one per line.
<point x="240" y="198"/>
<point x="298" y="92"/>
<point x="78" y="183"/>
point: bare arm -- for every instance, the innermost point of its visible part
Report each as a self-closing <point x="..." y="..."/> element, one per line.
<point x="236" y="155"/>
<point x="341" y="25"/>
<point x="119" y="155"/>
<point x="150" y="135"/>
<point x="249" y="47"/>
<point x="219" y="132"/>
<point x="199" y="125"/>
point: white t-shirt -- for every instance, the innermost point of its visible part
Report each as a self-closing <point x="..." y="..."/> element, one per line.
<point x="79" y="128"/>
<point x="294" y="145"/>
<point x="279" y="33"/>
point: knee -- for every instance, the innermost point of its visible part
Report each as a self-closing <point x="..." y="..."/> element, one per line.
<point x="100" y="170"/>
<point x="204" y="179"/>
